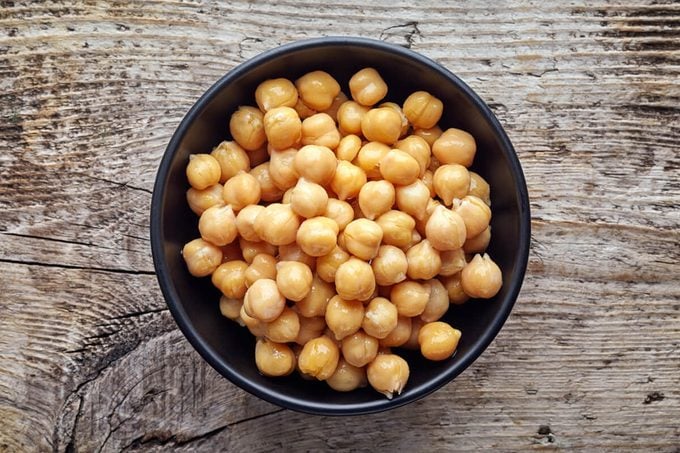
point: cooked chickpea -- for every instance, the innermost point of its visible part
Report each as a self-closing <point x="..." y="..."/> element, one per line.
<point x="423" y="110"/>
<point x="475" y="214"/>
<point x="451" y="181"/>
<point x="455" y="289"/>
<point x="479" y="243"/>
<point x="417" y="148"/>
<point x="381" y="124"/>
<point x="217" y="225"/>
<point x="203" y="171"/>
<point x="255" y="326"/>
<point x="348" y="148"/>
<point x="389" y="265"/>
<point x="316" y="163"/>
<point x="327" y="265"/>
<point x="308" y="199"/>
<point x="241" y="190"/>
<point x="388" y="374"/>
<point x="314" y="304"/>
<point x="263" y="300"/>
<point x="201" y="257"/>
<point x="262" y="266"/>
<point x="415" y="239"/>
<point x="479" y="188"/>
<point x="429" y="135"/>
<point x="367" y="87"/>
<point x="413" y="198"/>
<point x="285" y="328"/>
<point x="319" y="358"/>
<point x="438" y="340"/>
<point x="399" y="168"/>
<point x="230" y="308"/>
<point x="274" y="359"/>
<point x="453" y="261"/>
<point x="332" y="111"/>
<point x="245" y="222"/>
<point x="231" y="158"/>
<point x="455" y="146"/>
<point x="343" y="317"/>
<point x="269" y="191"/>
<point x="424" y="261"/>
<point x="369" y="157"/>
<point x="247" y="128"/>
<point x="294" y="279"/>
<point x="317" y="89"/>
<point x="404" y="121"/>
<point x="310" y="328"/>
<point x="397" y="228"/>
<point x="421" y="223"/>
<point x="376" y="198"/>
<point x="293" y="252"/>
<point x="410" y="297"/>
<point x="481" y="278"/>
<point x="317" y="236"/>
<point x="349" y="117"/>
<point x="320" y="130"/>
<point x="380" y="318"/>
<point x="200" y="200"/>
<point x="281" y="168"/>
<point x="362" y="238"/>
<point x="359" y="348"/>
<point x="277" y="224"/>
<point x="428" y="180"/>
<point x="434" y="164"/>
<point x="399" y="335"/>
<point x="437" y="304"/>
<point x="230" y="278"/>
<point x="354" y="279"/>
<point x="445" y="229"/>
<point x="303" y="110"/>
<point x="274" y="93"/>
<point x="250" y="249"/>
<point x="347" y="377"/>
<point x="340" y="211"/>
<point x="348" y="180"/>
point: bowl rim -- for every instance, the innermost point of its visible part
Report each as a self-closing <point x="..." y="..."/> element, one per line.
<point x="179" y="314"/>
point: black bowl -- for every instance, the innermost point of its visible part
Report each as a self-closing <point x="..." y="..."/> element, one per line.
<point x="194" y="302"/>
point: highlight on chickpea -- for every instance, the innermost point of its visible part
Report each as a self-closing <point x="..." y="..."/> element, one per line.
<point x="339" y="229"/>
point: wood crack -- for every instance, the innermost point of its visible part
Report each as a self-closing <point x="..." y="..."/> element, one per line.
<point x="81" y="268"/>
<point x="62" y="241"/>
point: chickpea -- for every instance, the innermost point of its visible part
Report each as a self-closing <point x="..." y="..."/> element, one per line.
<point x="274" y="359"/>
<point x="415" y="239"/>
<point x="354" y="279"/>
<point x="231" y="158"/>
<point x="347" y="377"/>
<point x="410" y="297"/>
<point x="437" y="304"/>
<point x="475" y="214"/>
<point x="241" y="190"/>
<point x="454" y="287"/>
<point x="376" y="198"/>
<point x="481" y="278"/>
<point x="389" y="266"/>
<point x="453" y="261"/>
<point x="343" y="317"/>
<point x="451" y="181"/>
<point x="287" y="195"/>
<point x="269" y="191"/>
<point x="438" y="340"/>
<point x="424" y="261"/>
<point x="340" y="211"/>
<point x="348" y="180"/>
<point x="230" y="308"/>
<point x="327" y="265"/>
<point x="428" y="180"/>
<point x="203" y="171"/>
<point x="413" y="198"/>
<point x="421" y="223"/>
<point x="294" y="280"/>
<point x="399" y="335"/>
<point x="310" y="328"/>
<point x="303" y="110"/>
<point x="429" y="135"/>
<point x="200" y="200"/>
<point x="245" y="222"/>
<point x="262" y="266"/>
<point x="479" y="243"/>
<point x="317" y="89"/>
<point x="434" y="164"/>
<point x="388" y="374"/>
<point x="479" y="188"/>
<point x="455" y="146"/>
<point x="230" y="278"/>
<point x="274" y="93"/>
<point x="319" y="358"/>
<point x="404" y="121"/>
<point x="314" y="304"/>
<point x="423" y="110"/>
<point x="399" y="168"/>
<point x="218" y="225"/>
<point x="259" y="156"/>
<point x="359" y="348"/>
<point x="263" y="300"/>
<point x="293" y="252"/>
<point x="381" y="124"/>
<point x="250" y="249"/>
<point x="285" y="328"/>
<point x="316" y="163"/>
<point x="332" y="111"/>
<point x="281" y="169"/>
<point x="380" y="318"/>
<point x="201" y="257"/>
<point x="231" y="252"/>
<point x="320" y="130"/>
<point x="362" y="238"/>
<point x="348" y="148"/>
<point x="367" y="87"/>
<point x="247" y="128"/>
<point x="254" y="326"/>
<point x="308" y="199"/>
<point x="397" y="228"/>
<point x="349" y="117"/>
<point x="417" y="148"/>
<point x="317" y="236"/>
<point x="356" y="208"/>
<point x="277" y="224"/>
<point x="369" y="157"/>
<point x="445" y="229"/>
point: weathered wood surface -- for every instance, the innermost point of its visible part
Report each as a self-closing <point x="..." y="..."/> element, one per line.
<point x="90" y="92"/>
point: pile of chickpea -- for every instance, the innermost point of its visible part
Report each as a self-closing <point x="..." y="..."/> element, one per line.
<point x="338" y="229"/>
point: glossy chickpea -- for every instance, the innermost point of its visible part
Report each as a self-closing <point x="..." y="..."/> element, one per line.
<point x="230" y="278"/>
<point x="308" y="199"/>
<point x="349" y="117"/>
<point x="413" y="198"/>
<point x="369" y="157"/>
<point x="241" y="190"/>
<point x="380" y="318"/>
<point x="428" y="180"/>
<point x="316" y="163"/>
<point x="332" y="111"/>
<point x="453" y="261"/>
<point x="424" y="261"/>
<point x="231" y="158"/>
<point x="388" y="374"/>
<point x="245" y="222"/>
<point x="230" y="308"/>
<point x="294" y="280"/>
<point x="255" y="326"/>
<point x="410" y="297"/>
<point x="263" y="300"/>
<point x="389" y="266"/>
<point x="200" y="200"/>
<point x="319" y="358"/>
<point x="303" y="110"/>
<point x="201" y="257"/>
<point x="250" y="249"/>
<point x="475" y="214"/>
<point x="317" y="89"/>
<point x="203" y="171"/>
<point x="347" y="377"/>
<point x="340" y="211"/>
<point x="399" y="168"/>
<point x="317" y="236"/>
<point x="274" y="359"/>
<point x="417" y="148"/>
<point x="381" y="124"/>
<point x="310" y="328"/>
<point x="367" y="87"/>
<point x="354" y="279"/>
<point x="479" y="188"/>
<point x="404" y="121"/>
<point x="455" y="146"/>
<point x="274" y="93"/>
<point x="285" y="328"/>
<point x="217" y="225"/>
<point x="262" y="266"/>
<point x="429" y="135"/>
<point x="397" y="228"/>
<point x="281" y="168"/>
<point x="376" y="198"/>
<point x="479" y="243"/>
<point x="293" y="252"/>
<point x="438" y="340"/>
<point x="451" y="181"/>
<point x="445" y="229"/>
<point x="314" y="304"/>
<point x="348" y="148"/>
<point x="320" y="130"/>
<point x="415" y="239"/>
<point x="454" y="287"/>
<point x="423" y="110"/>
<point x="343" y="317"/>
<point x="246" y="126"/>
<point x="481" y="278"/>
<point x="348" y="180"/>
<point x="277" y="224"/>
<point x="268" y="190"/>
<point x="359" y="348"/>
<point x="363" y="238"/>
<point x="327" y="265"/>
<point x="421" y="223"/>
<point x="437" y="304"/>
<point x="399" y="335"/>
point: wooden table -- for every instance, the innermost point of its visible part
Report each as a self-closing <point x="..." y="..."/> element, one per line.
<point x="90" y="358"/>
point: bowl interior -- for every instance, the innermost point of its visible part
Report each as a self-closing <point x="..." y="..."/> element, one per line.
<point x="194" y="302"/>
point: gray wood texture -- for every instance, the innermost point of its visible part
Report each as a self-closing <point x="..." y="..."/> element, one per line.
<point x="90" y="358"/>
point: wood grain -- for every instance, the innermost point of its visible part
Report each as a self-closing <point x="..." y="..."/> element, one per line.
<point x="90" y="358"/>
